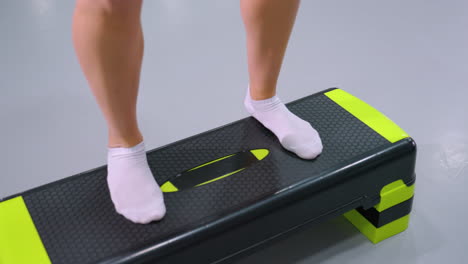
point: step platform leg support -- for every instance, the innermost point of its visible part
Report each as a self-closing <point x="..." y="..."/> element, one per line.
<point x="389" y="217"/>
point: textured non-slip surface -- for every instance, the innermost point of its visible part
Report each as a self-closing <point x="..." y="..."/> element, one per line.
<point x="77" y="221"/>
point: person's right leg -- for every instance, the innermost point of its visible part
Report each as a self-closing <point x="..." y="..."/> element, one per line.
<point x="108" y="40"/>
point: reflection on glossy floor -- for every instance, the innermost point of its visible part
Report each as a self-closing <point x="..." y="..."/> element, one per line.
<point x="407" y="59"/>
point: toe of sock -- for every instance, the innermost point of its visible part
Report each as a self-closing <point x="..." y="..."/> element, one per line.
<point x="146" y="214"/>
<point x="150" y="217"/>
<point x="145" y="217"/>
<point x="308" y="149"/>
<point x="308" y="152"/>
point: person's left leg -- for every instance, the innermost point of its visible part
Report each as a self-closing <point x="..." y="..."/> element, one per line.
<point x="268" y="25"/>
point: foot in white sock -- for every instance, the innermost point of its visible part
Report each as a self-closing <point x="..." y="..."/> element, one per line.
<point x="133" y="189"/>
<point x="294" y="133"/>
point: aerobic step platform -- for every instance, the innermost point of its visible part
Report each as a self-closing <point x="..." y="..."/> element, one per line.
<point x="227" y="191"/>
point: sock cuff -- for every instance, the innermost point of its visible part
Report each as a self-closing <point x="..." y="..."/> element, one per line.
<point x="266" y="104"/>
<point x="137" y="148"/>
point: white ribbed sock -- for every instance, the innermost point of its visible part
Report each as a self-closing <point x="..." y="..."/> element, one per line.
<point x="133" y="189"/>
<point x="294" y="133"/>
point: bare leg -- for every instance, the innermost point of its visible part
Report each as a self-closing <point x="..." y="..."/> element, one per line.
<point x="109" y="44"/>
<point x="268" y="24"/>
<point x="108" y="38"/>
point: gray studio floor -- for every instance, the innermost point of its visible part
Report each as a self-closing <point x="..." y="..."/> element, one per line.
<point x="409" y="59"/>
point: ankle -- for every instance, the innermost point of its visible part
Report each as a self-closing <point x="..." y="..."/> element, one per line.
<point x="124" y="142"/>
<point x="261" y="92"/>
<point x="261" y="95"/>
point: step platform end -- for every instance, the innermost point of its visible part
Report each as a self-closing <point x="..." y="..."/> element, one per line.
<point x="389" y="217"/>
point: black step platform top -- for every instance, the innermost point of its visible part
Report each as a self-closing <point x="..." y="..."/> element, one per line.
<point x="77" y="223"/>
